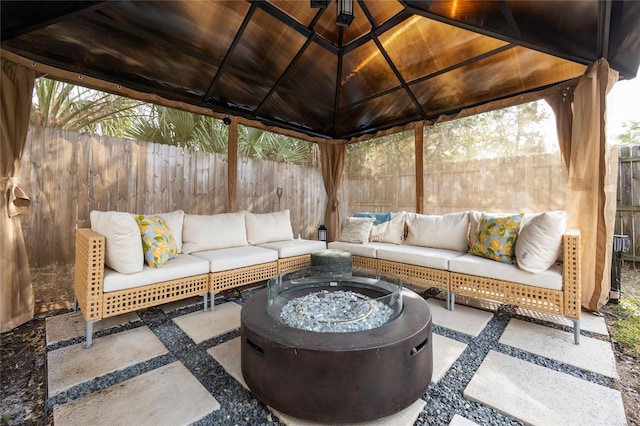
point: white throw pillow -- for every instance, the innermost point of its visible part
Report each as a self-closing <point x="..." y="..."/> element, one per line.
<point x="449" y="231"/>
<point x="356" y="230"/>
<point x="123" y="251"/>
<point x="540" y="241"/>
<point x="211" y="232"/>
<point x="268" y="227"/>
<point x="396" y="233"/>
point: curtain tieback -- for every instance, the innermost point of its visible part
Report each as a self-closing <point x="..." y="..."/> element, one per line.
<point x="336" y="203"/>
<point x="18" y="201"/>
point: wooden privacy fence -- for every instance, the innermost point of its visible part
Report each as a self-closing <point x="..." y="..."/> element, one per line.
<point x="67" y="174"/>
<point x="628" y="211"/>
<point x="529" y="184"/>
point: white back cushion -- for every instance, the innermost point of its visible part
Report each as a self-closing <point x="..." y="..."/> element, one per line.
<point x="540" y="241"/>
<point x="449" y="231"/>
<point x="123" y="251"/>
<point x="268" y="227"/>
<point x="210" y="232"/>
<point x="175" y="220"/>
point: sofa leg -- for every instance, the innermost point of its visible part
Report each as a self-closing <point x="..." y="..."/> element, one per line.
<point x="205" y="298"/>
<point x="213" y="301"/>
<point x="89" y="335"/>
<point x="451" y="300"/>
<point x="576" y="331"/>
<point x="75" y="304"/>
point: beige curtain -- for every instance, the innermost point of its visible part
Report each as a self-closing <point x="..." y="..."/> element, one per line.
<point x="332" y="158"/>
<point x="580" y="115"/>
<point x="16" y="301"/>
<point x="562" y="104"/>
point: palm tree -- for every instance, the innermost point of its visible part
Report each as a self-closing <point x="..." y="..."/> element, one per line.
<point x="263" y="145"/>
<point x="62" y="105"/>
<point x="66" y="106"/>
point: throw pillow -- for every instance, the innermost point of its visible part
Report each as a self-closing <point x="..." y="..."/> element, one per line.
<point x="356" y="230"/>
<point x="447" y="231"/>
<point x="496" y="237"/>
<point x="396" y="233"/>
<point x="123" y="249"/>
<point x="539" y="242"/>
<point x="387" y="228"/>
<point x="268" y="227"/>
<point x="158" y="245"/>
<point x="175" y="221"/>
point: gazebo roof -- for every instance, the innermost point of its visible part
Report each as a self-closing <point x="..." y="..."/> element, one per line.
<point x="289" y="65"/>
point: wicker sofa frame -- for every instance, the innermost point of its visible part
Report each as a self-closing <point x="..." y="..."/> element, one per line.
<point x="96" y="304"/>
<point x="565" y="302"/>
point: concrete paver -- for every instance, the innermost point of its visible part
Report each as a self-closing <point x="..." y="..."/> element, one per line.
<point x="445" y="352"/>
<point x="75" y="364"/>
<point x="588" y="320"/>
<point x="168" y="395"/>
<point x="227" y="354"/>
<point x="201" y="325"/>
<point x="406" y="417"/>
<point x="458" y="420"/>
<point x="540" y="396"/>
<point x="71" y="325"/>
<point x="462" y="319"/>
<point x="591" y="354"/>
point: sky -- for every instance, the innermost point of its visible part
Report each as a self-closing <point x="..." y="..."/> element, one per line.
<point x="623" y="104"/>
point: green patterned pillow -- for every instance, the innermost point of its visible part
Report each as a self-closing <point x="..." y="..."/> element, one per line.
<point x="158" y="244"/>
<point x="496" y="237"/>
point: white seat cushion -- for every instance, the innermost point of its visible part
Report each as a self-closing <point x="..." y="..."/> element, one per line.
<point x="237" y="257"/>
<point x="419" y="256"/>
<point x="363" y="250"/>
<point x="181" y="266"/>
<point x="482" y="267"/>
<point x="293" y="248"/>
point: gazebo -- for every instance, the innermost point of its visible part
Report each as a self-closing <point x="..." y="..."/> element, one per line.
<point x="332" y="73"/>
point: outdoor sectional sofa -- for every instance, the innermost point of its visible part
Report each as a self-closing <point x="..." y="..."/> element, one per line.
<point x="442" y="251"/>
<point x="185" y="255"/>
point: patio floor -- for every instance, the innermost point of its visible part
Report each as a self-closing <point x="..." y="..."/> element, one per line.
<point x="179" y="365"/>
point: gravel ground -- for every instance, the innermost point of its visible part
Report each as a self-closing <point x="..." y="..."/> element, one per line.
<point x="24" y="383"/>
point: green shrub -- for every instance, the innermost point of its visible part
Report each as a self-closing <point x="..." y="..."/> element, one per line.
<point x="627" y="326"/>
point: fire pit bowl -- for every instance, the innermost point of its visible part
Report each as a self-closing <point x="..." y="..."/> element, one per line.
<point x="336" y="376"/>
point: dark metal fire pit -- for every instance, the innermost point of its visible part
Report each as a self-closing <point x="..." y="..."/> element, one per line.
<point x="336" y="377"/>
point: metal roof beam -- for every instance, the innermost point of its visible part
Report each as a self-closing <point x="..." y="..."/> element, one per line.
<point x="389" y="61"/>
<point x="293" y="62"/>
<point x="230" y="51"/>
<point x="506" y="12"/>
<point x="604" y="28"/>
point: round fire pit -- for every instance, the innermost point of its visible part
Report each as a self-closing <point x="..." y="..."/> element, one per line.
<point x="338" y="376"/>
